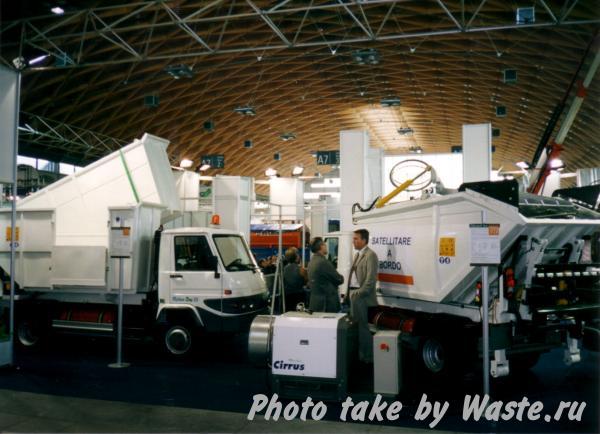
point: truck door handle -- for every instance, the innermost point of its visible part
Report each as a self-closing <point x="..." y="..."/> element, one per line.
<point x="176" y="276"/>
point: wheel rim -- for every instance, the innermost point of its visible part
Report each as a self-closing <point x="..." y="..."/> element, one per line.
<point x="178" y="340"/>
<point x="26" y="335"/>
<point x="433" y="355"/>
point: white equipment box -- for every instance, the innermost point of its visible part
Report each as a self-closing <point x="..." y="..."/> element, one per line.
<point x="310" y="352"/>
<point x="387" y="362"/>
<point x="306" y="345"/>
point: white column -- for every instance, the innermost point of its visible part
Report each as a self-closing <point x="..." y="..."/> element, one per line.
<point x="360" y="173"/>
<point x="477" y="152"/>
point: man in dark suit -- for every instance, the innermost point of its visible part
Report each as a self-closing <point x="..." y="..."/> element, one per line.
<point x="361" y="286"/>
<point x="323" y="280"/>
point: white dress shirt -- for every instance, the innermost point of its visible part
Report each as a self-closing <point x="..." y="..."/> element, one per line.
<point x="353" y="277"/>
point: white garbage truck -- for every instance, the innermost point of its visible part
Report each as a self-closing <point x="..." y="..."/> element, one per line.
<point x="544" y="293"/>
<point x="109" y="227"/>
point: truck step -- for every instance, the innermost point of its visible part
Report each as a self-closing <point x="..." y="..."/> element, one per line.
<point x="82" y="325"/>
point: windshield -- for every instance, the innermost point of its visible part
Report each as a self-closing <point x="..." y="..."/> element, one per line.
<point x="234" y="253"/>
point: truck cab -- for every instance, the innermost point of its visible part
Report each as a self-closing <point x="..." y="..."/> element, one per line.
<point x="208" y="281"/>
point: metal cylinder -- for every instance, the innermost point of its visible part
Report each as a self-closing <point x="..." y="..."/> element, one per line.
<point x="259" y="340"/>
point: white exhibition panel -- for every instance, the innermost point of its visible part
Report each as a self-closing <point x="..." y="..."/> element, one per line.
<point x="232" y="202"/>
<point x="8" y="117"/>
<point x="188" y="187"/>
<point x="477" y="152"/>
<point x="288" y="192"/>
<point x="81" y="200"/>
<point x="360" y="173"/>
<point x="448" y="169"/>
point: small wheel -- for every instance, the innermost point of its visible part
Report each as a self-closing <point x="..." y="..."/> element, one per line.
<point x="28" y="333"/>
<point x="178" y="340"/>
<point x="433" y="355"/>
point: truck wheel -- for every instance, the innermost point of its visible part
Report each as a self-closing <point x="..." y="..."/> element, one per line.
<point x="433" y="355"/>
<point x="178" y="339"/>
<point x="29" y="334"/>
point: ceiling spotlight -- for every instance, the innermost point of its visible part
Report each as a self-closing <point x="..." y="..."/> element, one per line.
<point x="38" y="59"/>
<point x="297" y="171"/>
<point x="405" y="131"/>
<point x="57" y="10"/>
<point x="179" y="71"/>
<point x="245" y="110"/>
<point x="204" y="167"/>
<point x="415" y="150"/>
<point x="392" y="101"/>
<point x="287" y="136"/>
<point x="186" y="163"/>
<point x="522" y="165"/>
<point x="270" y="172"/>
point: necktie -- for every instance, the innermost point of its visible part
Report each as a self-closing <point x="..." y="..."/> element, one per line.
<point x="353" y="269"/>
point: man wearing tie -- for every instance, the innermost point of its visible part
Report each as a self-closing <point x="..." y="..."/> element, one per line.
<point x="362" y="282"/>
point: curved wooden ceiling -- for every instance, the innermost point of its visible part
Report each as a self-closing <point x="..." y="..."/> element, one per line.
<point x="443" y="77"/>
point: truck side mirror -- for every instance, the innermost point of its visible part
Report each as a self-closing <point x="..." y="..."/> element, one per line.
<point x="214" y="265"/>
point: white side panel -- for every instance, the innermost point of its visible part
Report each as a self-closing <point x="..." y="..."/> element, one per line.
<point x="406" y="238"/>
<point x="78" y="266"/>
<point x="34" y="246"/>
<point x="477" y="152"/>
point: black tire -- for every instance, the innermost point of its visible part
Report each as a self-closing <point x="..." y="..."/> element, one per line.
<point x="177" y="339"/>
<point x="30" y="334"/>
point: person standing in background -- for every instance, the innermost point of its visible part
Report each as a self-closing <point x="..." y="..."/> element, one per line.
<point x="323" y="280"/>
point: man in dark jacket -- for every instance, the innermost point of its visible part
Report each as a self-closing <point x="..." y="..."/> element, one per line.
<point x="323" y="280"/>
<point x="294" y="279"/>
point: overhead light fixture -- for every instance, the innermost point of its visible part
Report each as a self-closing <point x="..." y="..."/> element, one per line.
<point x="57" y="10"/>
<point x="297" y="170"/>
<point x="245" y="110"/>
<point x="366" y="57"/>
<point x="38" y="59"/>
<point x="405" y="131"/>
<point x="204" y="167"/>
<point x="526" y="15"/>
<point x="522" y="165"/>
<point x="179" y="71"/>
<point x="186" y="163"/>
<point x="391" y="101"/>
<point x="415" y="150"/>
<point x="287" y="136"/>
<point x="557" y="164"/>
<point x="270" y="172"/>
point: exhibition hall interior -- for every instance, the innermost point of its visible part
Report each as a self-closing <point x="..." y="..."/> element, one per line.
<point x="289" y="216"/>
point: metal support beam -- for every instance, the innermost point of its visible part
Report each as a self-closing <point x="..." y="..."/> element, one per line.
<point x="270" y="23"/>
<point x="185" y="27"/>
<point x="356" y="20"/>
<point x="454" y="20"/>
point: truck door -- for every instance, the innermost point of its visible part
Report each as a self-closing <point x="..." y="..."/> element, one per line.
<point x="193" y="277"/>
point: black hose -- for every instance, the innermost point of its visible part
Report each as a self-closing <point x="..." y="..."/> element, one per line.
<point x="361" y="209"/>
